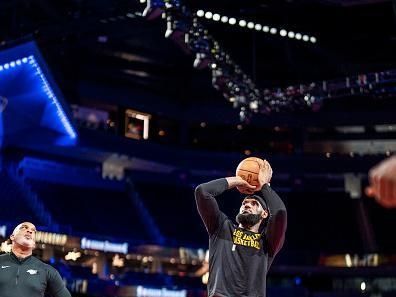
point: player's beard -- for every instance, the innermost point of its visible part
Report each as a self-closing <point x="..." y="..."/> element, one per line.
<point x="248" y="219"/>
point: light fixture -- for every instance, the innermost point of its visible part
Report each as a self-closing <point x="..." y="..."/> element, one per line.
<point x="208" y="15"/>
<point x="200" y="13"/>
<point x="224" y="19"/>
<point x="254" y="26"/>
<point x="216" y="17"/>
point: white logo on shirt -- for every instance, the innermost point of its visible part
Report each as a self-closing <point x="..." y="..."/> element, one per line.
<point x="31" y="271"/>
<point x="2" y="267"/>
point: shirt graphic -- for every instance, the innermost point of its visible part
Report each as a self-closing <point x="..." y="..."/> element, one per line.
<point x="240" y="237"/>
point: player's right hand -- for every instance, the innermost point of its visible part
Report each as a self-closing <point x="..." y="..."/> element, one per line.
<point x="242" y="185"/>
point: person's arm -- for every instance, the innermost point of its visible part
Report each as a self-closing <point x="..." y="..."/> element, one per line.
<point x="55" y="285"/>
<point x="205" y="197"/>
<point x="277" y="222"/>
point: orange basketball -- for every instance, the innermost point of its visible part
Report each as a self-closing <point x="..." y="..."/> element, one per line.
<point x="249" y="169"/>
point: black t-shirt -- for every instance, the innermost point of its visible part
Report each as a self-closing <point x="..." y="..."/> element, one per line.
<point x="29" y="277"/>
<point x="239" y="259"/>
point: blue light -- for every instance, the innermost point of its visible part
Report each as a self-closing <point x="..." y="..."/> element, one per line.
<point x="51" y="95"/>
<point x="297" y="281"/>
<point x="34" y="99"/>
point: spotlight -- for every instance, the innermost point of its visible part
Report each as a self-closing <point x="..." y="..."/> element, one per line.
<point x="273" y="30"/>
<point x="216" y="17"/>
<point x="291" y="34"/>
<point x="208" y="15"/>
<point x="298" y="36"/>
<point x="254" y="105"/>
<point x="313" y="39"/>
<point x="266" y="29"/>
<point x="363" y="286"/>
<point x="250" y="25"/>
<point x="224" y="19"/>
<point x="242" y="23"/>
<point x="232" y="21"/>
<point x="283" y="32"/>
<point x="200" y="13"/>
<point x="305" y="37"/>
<point x="258" y="27"/>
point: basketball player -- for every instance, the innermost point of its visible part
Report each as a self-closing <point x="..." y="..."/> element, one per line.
<point x="241" y="255"/>
<point x="23" y="275"/>
<point x="383" y="183"/>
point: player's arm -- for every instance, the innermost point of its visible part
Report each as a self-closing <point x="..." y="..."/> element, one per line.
<point x="205" y="197"/>
<point x="277" y="222"/>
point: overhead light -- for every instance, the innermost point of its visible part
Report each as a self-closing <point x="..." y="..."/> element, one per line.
<point x="363" y="286"/>
<point x="200" y="13"/>
<point x="216" y="17"/>
<point x="224" y="19"/>
<point x="208" y="15"/>
<point x="253" y="26"/>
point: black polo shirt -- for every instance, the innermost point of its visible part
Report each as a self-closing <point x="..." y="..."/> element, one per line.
<point x="29" y="277"/>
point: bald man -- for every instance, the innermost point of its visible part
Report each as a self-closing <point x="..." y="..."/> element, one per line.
<point x="23" y="275"/>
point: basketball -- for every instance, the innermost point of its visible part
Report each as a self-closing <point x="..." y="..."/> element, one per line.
<point x="249" y="169"/>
